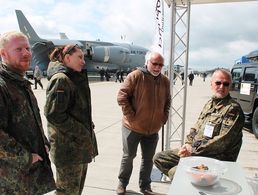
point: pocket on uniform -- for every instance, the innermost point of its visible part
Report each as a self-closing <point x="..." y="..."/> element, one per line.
<point x="216" y="121"/>
<point x="215" y="118"/>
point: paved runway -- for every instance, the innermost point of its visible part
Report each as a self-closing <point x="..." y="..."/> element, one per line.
<point x="102" y="174"/>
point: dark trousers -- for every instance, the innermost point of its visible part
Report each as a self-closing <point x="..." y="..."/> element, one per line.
<point x="117" y="79"/>
<point x="167" y="161"/>
<point x="37" y="81"/>
<point x="131" y="141"/>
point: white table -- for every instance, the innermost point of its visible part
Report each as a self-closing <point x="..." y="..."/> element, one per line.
<point x="231" y="183"/>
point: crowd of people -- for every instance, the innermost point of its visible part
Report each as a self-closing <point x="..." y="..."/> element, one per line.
<point x="106" y="75"/>
<point x="144" y="98"/>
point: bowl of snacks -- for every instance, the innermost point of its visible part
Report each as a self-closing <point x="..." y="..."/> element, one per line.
<point x="203" y="171"/>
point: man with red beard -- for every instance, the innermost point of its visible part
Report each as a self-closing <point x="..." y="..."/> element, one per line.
<point x="24" y="163"/>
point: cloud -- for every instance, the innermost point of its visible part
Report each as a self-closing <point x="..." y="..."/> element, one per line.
<point x="222" y="33"/>
<point x="219" y="33"/>
<point x="135" y="20"/>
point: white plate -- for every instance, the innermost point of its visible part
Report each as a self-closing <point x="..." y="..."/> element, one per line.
<point x="222" y="187"/>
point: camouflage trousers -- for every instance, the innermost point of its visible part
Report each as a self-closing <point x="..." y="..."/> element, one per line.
<point x="70" y="179"/>
<point x="167" y="161"/>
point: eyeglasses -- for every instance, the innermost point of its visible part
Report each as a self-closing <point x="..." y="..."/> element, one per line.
<point x="71" y="49"/>
<point x="225" y="84"/>
<point x="157" y="64"/>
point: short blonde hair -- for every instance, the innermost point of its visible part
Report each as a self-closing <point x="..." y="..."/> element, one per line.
<point x="6" y="37"/>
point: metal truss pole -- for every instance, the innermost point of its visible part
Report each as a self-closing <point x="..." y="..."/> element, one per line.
<point x="179" y="49"/>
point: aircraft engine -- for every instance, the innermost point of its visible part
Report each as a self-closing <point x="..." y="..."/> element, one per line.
<point x="110" y="54"/>
<point x="40" y="52"/>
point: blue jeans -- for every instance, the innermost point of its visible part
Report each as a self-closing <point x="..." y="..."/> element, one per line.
<point x="131" y="141"/>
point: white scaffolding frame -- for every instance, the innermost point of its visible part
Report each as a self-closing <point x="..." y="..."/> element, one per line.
<point x="180" y="20"/>
<point x="179" y="50"/>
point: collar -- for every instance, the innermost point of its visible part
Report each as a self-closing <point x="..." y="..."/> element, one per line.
<point x="219" y="102"/>
<point x="14" y="76"/>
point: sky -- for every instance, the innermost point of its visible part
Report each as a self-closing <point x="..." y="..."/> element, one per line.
<point x="219" y="33"/>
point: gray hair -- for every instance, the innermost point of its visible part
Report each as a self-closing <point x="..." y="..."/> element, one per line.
<point x="149" y="54"/>
<point x="6" y="37"/>
<point x="224" y="71"/>
<point x="147" y="57"/>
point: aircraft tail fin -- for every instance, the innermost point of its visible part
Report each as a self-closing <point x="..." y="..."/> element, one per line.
<point x="26" y="27"/>
<point x="63" y="36"/>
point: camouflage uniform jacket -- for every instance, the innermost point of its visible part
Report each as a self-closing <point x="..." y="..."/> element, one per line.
<point x="226" y="118"/>
<point x="68" y="111"/>
<point x="21" y="134"/>
<point x="145" y="101"/>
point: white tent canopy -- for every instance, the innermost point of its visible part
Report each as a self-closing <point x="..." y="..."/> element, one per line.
<point x="184" y="2"/>
<point x="179" y="50"/>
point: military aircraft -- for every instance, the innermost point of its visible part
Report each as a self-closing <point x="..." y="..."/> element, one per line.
<point x="98" y="55"/>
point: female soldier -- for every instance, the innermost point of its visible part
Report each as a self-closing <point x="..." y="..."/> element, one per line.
<point x="68" y="111"/>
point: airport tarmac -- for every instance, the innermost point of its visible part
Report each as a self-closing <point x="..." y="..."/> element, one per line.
<point x="102" y="173"/>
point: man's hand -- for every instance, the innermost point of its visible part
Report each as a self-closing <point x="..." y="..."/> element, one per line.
<point x="47" y="149"/>
<point x="185" y="150"/>
<point x="36" y="158"/>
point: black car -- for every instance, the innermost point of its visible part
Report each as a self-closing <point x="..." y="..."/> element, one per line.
<point x="245" y="91"/>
